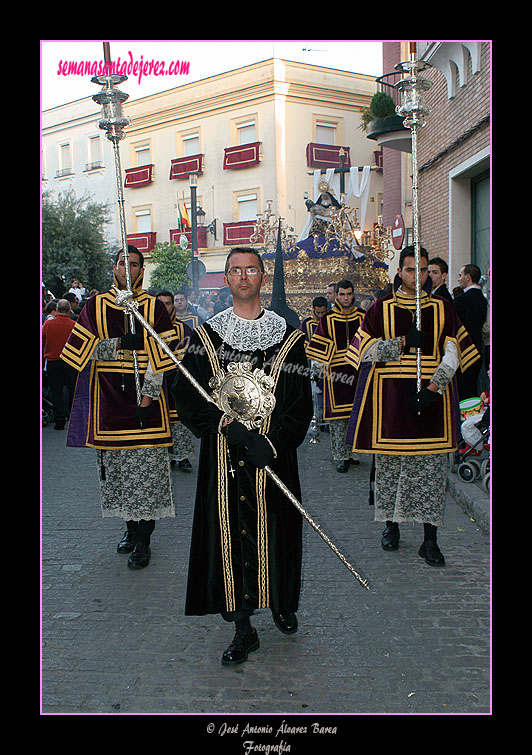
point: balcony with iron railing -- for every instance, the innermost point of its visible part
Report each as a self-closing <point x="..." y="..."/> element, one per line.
<point x="386" y="83"/>
<point x="389" y="130"/>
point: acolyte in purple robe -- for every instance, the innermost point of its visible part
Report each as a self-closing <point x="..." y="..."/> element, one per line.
<point x="103" y="413"/>
<point x="384" y="419"/>
<point x="329" y="344"/>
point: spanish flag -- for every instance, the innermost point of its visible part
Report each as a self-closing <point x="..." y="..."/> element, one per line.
<point x="184" y="217"/>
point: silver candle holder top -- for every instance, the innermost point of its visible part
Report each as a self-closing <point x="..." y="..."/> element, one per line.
<point x="111" y="99"/>
<point x="412" y="87"/>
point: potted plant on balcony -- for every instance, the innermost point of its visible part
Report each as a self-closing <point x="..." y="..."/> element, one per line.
<point x="380" y="117"/>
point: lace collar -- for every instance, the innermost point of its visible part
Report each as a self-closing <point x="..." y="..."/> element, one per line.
<point x="248" y="335"/>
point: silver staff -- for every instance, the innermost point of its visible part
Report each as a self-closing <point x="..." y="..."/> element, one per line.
<point x="314" y="424"/>
<point x="113" y="122"/>
<point x="414" y="108"/>
<point x="125" y="299"/>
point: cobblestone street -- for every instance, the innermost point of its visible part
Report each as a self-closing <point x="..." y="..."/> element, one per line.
<point x="116" y="641"/>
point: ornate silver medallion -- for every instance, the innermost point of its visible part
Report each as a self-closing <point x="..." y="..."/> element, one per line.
<point x="243" y="393"/>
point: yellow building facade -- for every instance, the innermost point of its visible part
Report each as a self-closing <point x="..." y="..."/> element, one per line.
<point x="252" y="135"/>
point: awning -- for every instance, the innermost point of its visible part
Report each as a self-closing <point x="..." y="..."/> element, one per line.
<point x="212" y="280"/>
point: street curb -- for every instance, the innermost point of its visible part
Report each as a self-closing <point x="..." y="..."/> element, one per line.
<point x="472" y="499"/>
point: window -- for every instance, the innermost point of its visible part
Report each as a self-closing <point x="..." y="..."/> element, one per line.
<point x="244" y="129"/>
<point x="325" y="133"/>
<point x="327" y="129"/>
<point x="246" y="132"/>
<point x="143" y="154"/>
<point x="143" y="221"/>
<point x="94" y="150"/>
<point x="65" y="162"/>
<point x="247" y="207"/>
<point x="191" y="145"/>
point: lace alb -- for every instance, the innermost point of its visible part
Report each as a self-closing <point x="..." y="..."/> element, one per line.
<point x="248" y="335"/>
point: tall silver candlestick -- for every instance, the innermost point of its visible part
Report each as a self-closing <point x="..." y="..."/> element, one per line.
<point x="414" y="109"/>
<point x="113" y="122"/>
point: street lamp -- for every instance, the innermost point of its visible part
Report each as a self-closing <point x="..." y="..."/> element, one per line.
<point x="194" y="229"/>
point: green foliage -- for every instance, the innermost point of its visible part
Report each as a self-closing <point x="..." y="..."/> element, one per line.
<point x="381" y="106"/>
<point x="73" y="243"/>
<point x="172" y="262"/>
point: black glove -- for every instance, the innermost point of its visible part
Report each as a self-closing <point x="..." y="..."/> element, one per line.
<point x="258" y="451"/>
<point x="142" y="414"/>
<point x="132" y="341"/>
<point x="236" y="433"/>
<point x="423" y="399"/>
<point x="414" y="338"/>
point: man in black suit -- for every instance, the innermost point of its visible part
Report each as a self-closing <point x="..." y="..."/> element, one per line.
<point x="471" y="307"/>
<point x="438" y="272"/>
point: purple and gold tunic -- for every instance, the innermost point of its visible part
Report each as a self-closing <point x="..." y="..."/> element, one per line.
<point x="384" y="420"/>
<point x="329" y="344"/>
<point x="107" y="420"/>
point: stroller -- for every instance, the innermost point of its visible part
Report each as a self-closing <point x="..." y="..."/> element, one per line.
<point x="471" y="460"/>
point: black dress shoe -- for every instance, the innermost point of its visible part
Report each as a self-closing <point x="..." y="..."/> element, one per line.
<point x="430" y="551"/>
<point x="390" y="537"/>
<point x="140" y="556"/>
<point x="127" y="543"/>
<point x="343" y="465"/>
<point x="287" y="624"/>
<point x="242" y="645"/>
<point x="185" y="466"/>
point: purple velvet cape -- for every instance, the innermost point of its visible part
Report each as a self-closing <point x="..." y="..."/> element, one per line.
<point x="103" y="412"/>
<point x="329" y="344"/>
<point x="383" y="419"/>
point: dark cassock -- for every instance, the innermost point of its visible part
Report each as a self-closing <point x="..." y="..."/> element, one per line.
<point x="183" y="446"/>
<point x="411" y="447"/>
<point x="246" y="541"/>
<point x="132" y="461"/>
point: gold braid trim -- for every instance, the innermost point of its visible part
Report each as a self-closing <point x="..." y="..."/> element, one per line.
<point x="262" y="518"/>
<point x="223" y="493"/>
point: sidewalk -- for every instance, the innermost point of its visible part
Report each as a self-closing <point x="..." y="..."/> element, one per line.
<point x="472" y="498"/>
<point x="116" y="641"/>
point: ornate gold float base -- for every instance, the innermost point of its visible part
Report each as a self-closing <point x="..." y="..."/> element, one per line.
<point x="306" y="277"/>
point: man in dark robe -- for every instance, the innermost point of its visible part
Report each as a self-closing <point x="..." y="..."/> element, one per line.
<point x="247" y="536"/>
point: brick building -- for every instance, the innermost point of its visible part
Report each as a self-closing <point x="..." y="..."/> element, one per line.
<point x="453" y="152"/>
